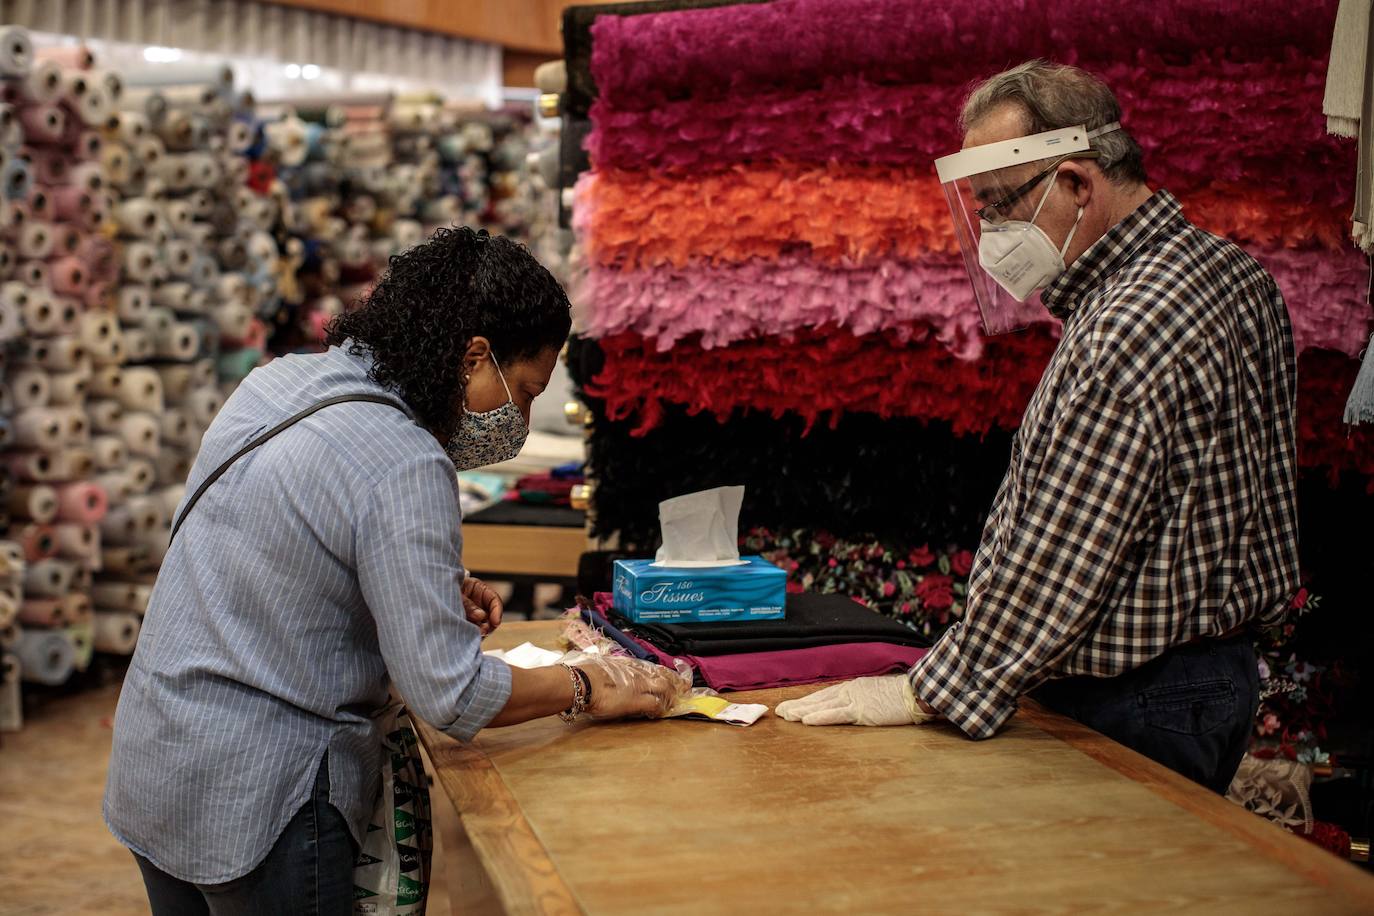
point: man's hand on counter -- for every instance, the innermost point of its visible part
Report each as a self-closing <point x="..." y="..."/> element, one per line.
<point x="482" y="605"/>
<point x="864" y="701"/>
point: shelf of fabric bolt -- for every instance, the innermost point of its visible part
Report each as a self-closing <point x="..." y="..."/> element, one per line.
<point x="511" y="540"/>
<point x="693" y="817"/>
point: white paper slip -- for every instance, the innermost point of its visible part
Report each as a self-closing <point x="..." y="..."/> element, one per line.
<point x="717" y="709"/>
<point x="526" y="655"/>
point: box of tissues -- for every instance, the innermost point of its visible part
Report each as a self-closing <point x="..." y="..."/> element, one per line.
<point x="698" y="574"/>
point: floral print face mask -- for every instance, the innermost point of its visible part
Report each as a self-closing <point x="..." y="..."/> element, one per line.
<point x="491" y="436"/>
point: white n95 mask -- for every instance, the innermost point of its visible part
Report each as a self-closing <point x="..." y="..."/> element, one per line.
<point x="1019" y="255"/>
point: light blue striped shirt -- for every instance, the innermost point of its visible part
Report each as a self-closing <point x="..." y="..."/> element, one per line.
<point x="323" y="566"/>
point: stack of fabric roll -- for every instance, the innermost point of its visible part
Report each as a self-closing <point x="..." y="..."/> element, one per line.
<point x="358" y="179"/>
<point x="771" y="292"/>
<point x="189" y="249"/>
<point x="57" y="286"/>
<point x="134" y="268"/>
<point x="140" y="274"/>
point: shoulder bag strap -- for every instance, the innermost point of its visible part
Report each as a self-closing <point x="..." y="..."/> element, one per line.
<point x="280" y="427"/>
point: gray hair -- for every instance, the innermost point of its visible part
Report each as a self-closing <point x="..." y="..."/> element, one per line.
<point x="1054" y="96"/>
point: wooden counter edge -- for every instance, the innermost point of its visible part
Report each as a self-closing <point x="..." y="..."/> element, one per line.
<point x="1307" y="859"/>
<point x="522" y="874"/>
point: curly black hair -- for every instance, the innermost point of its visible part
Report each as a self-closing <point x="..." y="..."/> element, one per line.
<point x="420" y="318"/>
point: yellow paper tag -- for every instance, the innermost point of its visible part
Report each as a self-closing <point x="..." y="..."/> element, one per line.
<point x="717" y="709"/>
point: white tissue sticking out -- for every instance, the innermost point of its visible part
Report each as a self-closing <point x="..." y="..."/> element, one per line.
<point x="701" y="529"/>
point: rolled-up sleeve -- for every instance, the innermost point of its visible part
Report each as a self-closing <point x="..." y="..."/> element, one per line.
<point x="408" y="543"/>
<point x="1069" y="548"/>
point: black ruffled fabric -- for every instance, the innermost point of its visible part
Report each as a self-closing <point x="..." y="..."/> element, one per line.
<point x="899" y="479"/>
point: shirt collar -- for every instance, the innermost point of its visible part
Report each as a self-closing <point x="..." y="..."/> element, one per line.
<point x="1110" y="253"/>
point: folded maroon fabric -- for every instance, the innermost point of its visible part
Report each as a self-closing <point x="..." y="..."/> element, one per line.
<point x="759" y="670"/>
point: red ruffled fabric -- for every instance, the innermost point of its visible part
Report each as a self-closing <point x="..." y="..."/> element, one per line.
<point x="1330" y="837"/>
<point x="823" y="372"/>
<point x="640" y="62"/>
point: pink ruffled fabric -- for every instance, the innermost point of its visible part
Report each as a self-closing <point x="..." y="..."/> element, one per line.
<point x="728" y="303"/>
<point x="640" y="62"/>
<point x="1325" y="291"/>
<point x="735" y="302"/>
<point x="1205" y="121"/>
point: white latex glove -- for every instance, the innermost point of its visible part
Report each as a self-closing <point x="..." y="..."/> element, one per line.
<point x="885" y="700"/>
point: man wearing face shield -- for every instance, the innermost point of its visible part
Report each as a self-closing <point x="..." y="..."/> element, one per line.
<point x="1148" y="515"/>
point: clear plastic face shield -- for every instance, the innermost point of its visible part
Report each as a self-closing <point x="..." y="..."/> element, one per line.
<point x="995" y="193"/>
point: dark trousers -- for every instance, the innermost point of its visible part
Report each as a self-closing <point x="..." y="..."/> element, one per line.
<point x="1191" y="709"/>
<point x="308" y="871"/>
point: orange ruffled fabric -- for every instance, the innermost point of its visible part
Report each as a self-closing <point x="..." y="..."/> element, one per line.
<point x="850" y="214"/>
<point x="1267" y="217"/>
<point x="841" y="213"/>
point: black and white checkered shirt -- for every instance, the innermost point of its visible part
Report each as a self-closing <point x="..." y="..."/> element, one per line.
<point x="1150" y="497"/>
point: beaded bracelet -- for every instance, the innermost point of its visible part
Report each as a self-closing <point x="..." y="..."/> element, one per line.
<point x="582" y="694"/>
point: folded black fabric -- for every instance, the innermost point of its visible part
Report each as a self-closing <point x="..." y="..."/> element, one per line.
<point x="507" y="512"/>
<point x="812" y="620"/>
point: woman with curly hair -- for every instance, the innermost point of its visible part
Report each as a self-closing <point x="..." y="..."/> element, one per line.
<point x="317" y="562"/>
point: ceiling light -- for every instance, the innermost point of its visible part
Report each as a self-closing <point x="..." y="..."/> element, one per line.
<point x="155" y="54"/>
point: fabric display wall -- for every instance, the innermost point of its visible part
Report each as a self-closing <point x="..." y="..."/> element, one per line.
<point x="257" y="37"/>
<point x="771" y="293"/>
<point x="356" y="179"/>
<point x="133" y="265"/>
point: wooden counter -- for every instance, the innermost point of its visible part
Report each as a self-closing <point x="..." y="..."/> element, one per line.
<point x="698" y="818"/>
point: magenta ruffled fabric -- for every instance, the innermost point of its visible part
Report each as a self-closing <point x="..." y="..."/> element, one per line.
<point x="640" y="62"/>
<point x="1202" y="122"/>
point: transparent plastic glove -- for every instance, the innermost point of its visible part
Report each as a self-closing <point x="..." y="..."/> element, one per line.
<point x="864" y="701"/>
<point x="628" y="687"/>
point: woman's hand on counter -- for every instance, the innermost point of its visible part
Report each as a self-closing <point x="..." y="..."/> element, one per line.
<point x="625" y="688"/>
<point x="621" y="688"/>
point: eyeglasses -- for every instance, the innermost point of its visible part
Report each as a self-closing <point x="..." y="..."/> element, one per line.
<point x="1000" y="210"/>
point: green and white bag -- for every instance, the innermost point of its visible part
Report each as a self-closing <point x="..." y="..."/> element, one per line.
<point x="391" y="876"/>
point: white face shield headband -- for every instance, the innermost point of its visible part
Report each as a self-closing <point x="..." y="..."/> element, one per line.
<point x="1007" y="259"/>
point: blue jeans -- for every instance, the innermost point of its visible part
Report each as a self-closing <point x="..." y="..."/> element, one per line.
<point x="1191" y="709"/>
<point x="308" y="871"/>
